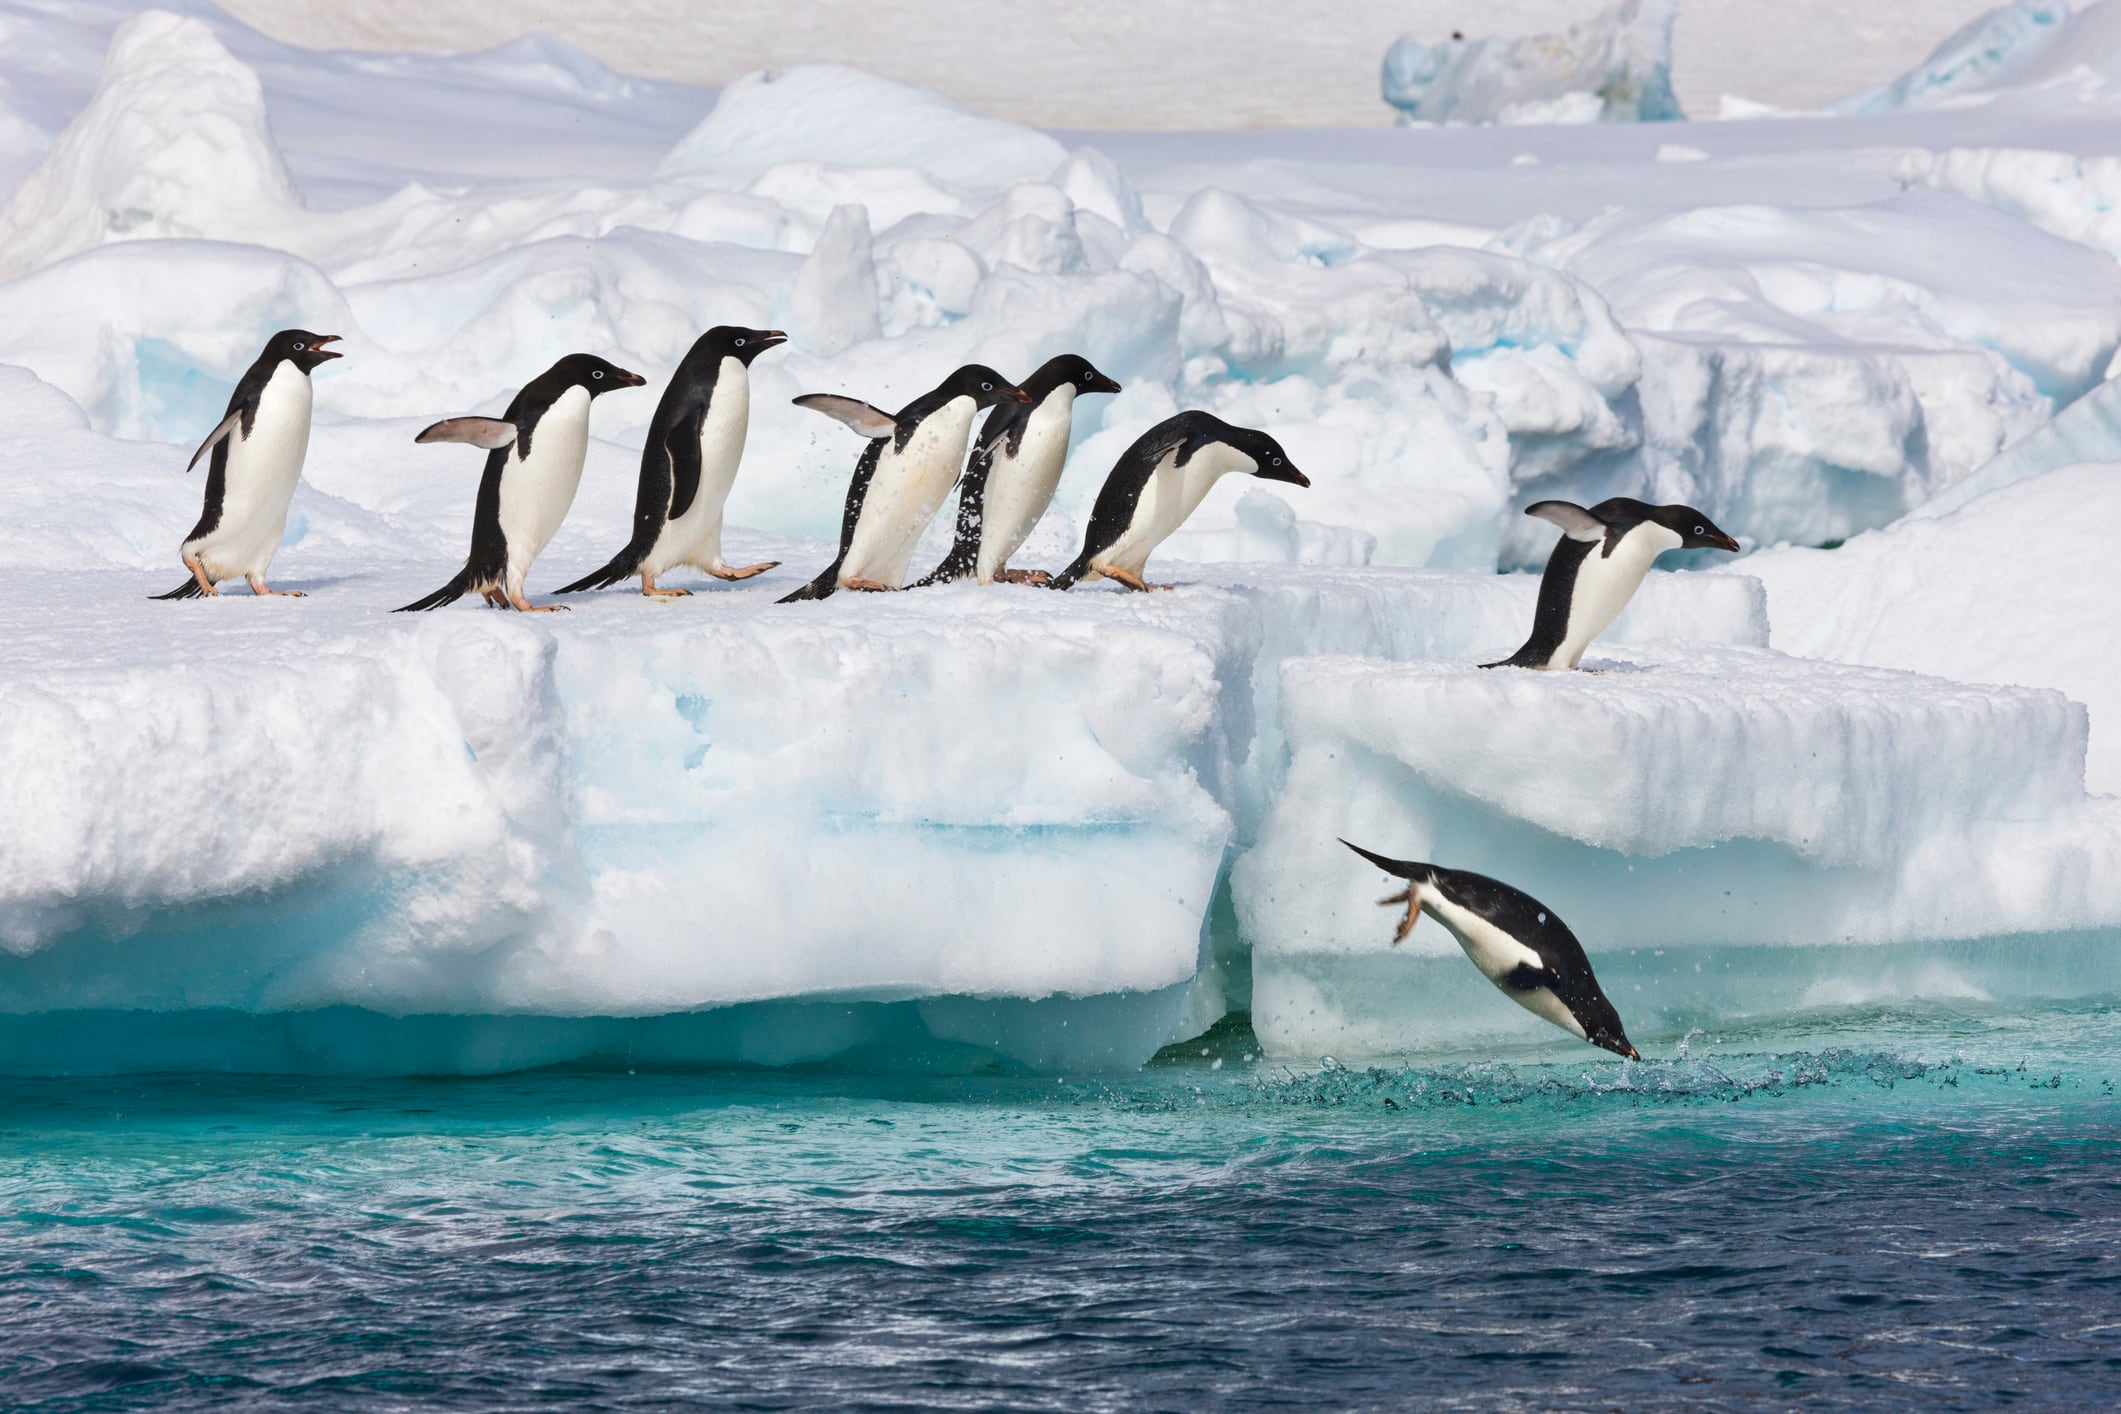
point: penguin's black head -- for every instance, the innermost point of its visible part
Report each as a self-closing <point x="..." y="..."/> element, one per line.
<point x="595" y="374"/>
<point x="1273" y="462"/>
<point x="302" y="348"/>
<point x="1067" y="370"/>
<point x="1696" y="531"/>
<point x="731" y="341"/>
<point x="984" y="386"/>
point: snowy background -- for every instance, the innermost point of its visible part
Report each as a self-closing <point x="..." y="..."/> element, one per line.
<point x="1069" y="828"/>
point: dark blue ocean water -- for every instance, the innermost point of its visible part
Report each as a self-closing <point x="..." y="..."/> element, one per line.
<point x="1885" y="1212"/>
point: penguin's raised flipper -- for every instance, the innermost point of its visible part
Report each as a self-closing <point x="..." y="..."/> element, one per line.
<point x="870" y="422"/>
<point x="1575" y="522"/>
<point x="488" y="432"/>
<point x="228" y="425"/>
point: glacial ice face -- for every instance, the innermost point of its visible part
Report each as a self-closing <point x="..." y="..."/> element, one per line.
<point x="1614" y="67"/>
<point x="1704" y="803"/>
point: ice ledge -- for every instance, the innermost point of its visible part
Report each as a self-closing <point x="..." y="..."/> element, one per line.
<point x="643" y="809"/>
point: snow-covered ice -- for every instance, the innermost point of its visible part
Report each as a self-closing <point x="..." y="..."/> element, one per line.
<point x="1062" y="828"/>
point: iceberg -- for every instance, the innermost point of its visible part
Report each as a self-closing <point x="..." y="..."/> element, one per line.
<point x="1614" y="67"/>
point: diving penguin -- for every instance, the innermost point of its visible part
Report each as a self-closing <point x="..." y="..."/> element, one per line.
<point x="1015" y="468"/>
<point x="907" y="469"/>
<point x="1581" y="592"/>
<point x="689" y="463"/>
<point x="1158" y="482"/>
<point x="534" y="455"/>
<point x="1515" y="941"/>
<point x="257" y="459"/>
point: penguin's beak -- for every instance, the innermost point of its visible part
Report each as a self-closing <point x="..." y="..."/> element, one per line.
<point x="316" y="346"/>
<point x="1019" y="394"/>
<point x="1283" y="473"/>
<point x="1718" y="540"/>
<point x="1102" y="384"/>
<point x="767" y="338"/>
<point x="632" y="380"/>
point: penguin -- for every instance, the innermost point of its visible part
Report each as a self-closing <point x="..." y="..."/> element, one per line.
<point x="1515" y="941"/>
<point x="1015" y="468"/>
<point x="1156" y="484"/>
<point x="256" y="460"/>
<point x="534" y="455"/>
<point x="1582" y="592"/>
<point x="689" y="463"/>
<point x="907" y="469"/>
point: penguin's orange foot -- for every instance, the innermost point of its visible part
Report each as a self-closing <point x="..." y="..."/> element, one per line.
<point x="260" y="588"/>
<point x="655" y="593"/>
<point x="1023" y="576"/>
<point x="1406" y="924"/>
<point x="870" y="586"/>
<point x="743" y="572"/>
<point x="1133" y="581"/>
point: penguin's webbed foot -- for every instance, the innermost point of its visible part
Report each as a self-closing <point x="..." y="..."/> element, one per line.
<point x="870" y="586"/>
<point x="743" y="571"/>
<point x="1412" y="900"/>
<point x="263" y="590"/>
<point x="1039" y="577"/>
<point x="650" y="588"/>
<point x="1134" y="581"/>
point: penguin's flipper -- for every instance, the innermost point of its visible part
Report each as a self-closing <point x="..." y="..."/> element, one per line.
<point x="1575" y="522"/>
<point x="448" y="594"/>
<point x="870" y="422"/>
<point x="819" y="588"/>
<point x="228" y="425"/>
<point x="488" y="432"/>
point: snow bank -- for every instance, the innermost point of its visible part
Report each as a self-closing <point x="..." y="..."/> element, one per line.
<point x="1688" y="802"/>
<point x="1615" y="67"/>
<point x="2014" y="587"/>
<point x="844" y="117"/>
<point x="174" y="143"/>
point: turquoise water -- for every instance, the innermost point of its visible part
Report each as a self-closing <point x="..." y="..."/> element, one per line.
<point x="1863" y="1210"/>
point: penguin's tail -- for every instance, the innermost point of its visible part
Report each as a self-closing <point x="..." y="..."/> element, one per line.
<point x="188" y="590"/>
<point x="1522" y="658"/>
<point x="1402" y="868"/>
<point x="624" y="563"/>
<point x="958" y="564"/>
<point x="819" y="588"/>
<point x="448" y="594"/>
<point x="1068" y="578"/>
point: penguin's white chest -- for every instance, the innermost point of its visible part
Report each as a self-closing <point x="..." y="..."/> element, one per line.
<point x="1020" y="487"/>
<point x="538" y="489"/>
<point x="695" y="537"/>
<point x="905" y="491"/>
<point x="1171" y="493"/>
<point x="1605" y="583"/>
<point x="263" y="471"/>
<point x="1497" y="954"/>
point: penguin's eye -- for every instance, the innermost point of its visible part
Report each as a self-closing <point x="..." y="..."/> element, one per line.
<point x="986" y="387"/>
<point x="1277" y="461"/>
<point x="1701" y="530"/>
<point x="597" y="373"/>
<point x="299" y="346"/>
<point x="740" y="343"/>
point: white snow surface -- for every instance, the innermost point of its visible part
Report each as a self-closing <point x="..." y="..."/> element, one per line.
<point x="965" y="798"/>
